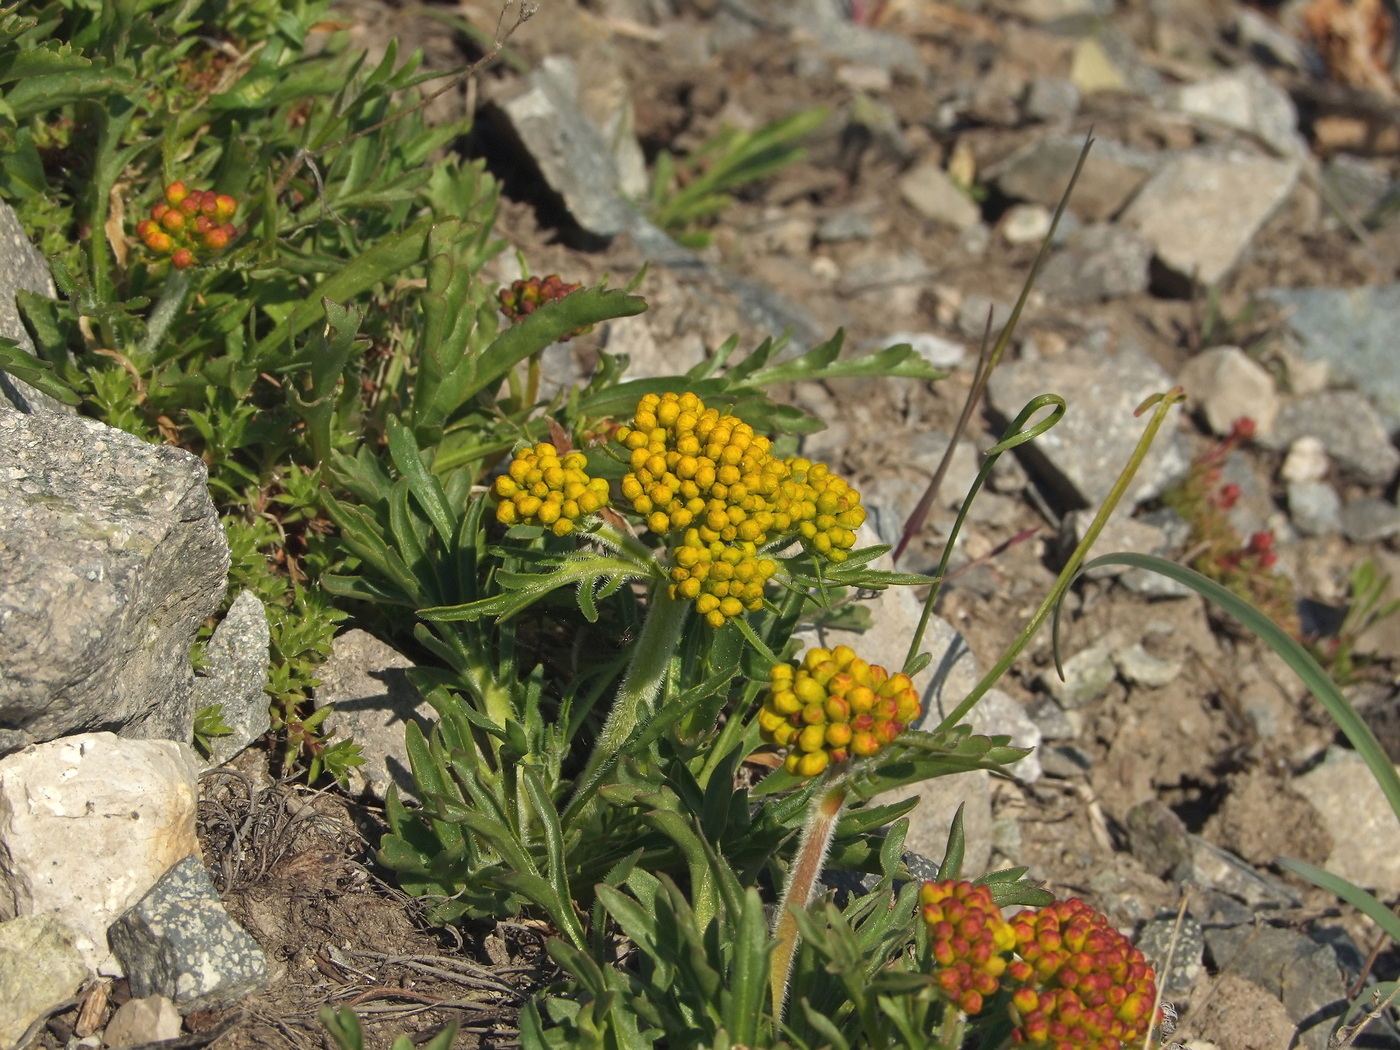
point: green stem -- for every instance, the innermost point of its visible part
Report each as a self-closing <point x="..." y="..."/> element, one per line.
<point x="801" y="885"/>
<point x="1071" y="568"/>
<point x="168" y="306"/>
<point x="651" y="657"/>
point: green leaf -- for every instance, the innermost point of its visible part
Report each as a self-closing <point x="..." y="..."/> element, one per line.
<point x="38" y="373"/>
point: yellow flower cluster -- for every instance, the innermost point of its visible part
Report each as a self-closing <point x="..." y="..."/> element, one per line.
<point x="971" y="942"/>
<point x="722" y="579"/>
<point x="709" y="482"/>
<point x="542" y="488"/>
<point x="835" y="705"/>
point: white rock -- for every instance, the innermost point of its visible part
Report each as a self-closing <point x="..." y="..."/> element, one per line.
<point x="143" y="1021"/>
<point x="1200" y="213"/>
<point x="1246" y="99"/>
<point x="1139" y="667"/>
<point x="364" y="681"/>
<point x="1306" y="460"/>
<point x="90" y="823"/>
<point x="1366" y="845"/>
<point x="1025" y="223"/>
<point x="934" y="349"/>
<point x="1225" y="384"/>
<point x="1000" y="714"/>
<point x="931" y="191"/>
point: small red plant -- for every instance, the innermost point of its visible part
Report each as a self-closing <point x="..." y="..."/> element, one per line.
<point x="1246" y="567"/>
<point x="188" y="222"/>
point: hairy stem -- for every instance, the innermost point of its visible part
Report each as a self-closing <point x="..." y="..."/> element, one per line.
<point x="802" y="881"/>
<point x="651" y="657"/>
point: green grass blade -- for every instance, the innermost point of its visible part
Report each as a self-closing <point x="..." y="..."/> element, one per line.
<point x="1386" y="919"/>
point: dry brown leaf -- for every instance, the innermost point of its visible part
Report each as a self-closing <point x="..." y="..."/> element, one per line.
<point x="1355" y="39"/>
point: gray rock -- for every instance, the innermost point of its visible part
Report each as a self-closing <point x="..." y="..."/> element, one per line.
<point x="1359" y="184"/>
<point x="1314" y="508"/>
<point x="1346" y="795"/>
<point x="39" y="966"/>
<point x="1225" y="384"/>
<point x="1051" y="99"/>
<point x="1306" y="460"/>
<point x="863" y="46"/>
<point x="1349" y="428"/>
<point x="931" y="192"/>
<point x="848" y="224"/>
<point x="1050" y="718"/>
<point x="21" y="266"/>
<point x="1367" y="519"/>
<point x="128" y="805"/>
<point x="646" y="359"/>
<point x="111" y="556"/>
<point x="1081" y="456"/>
<point x="1139" y="667"/>
<point x="1246" y="99"/>
<point x="1200" y="213"/>
<point x="1291" y="966"/>
<point x="1040" y="171"/>
<point x="932" y="819"/>
<point x="1088" y="673"/>
<point x="179" y="942"/>
<point x="1224" y="871"/>
<point x="974" y="311"/>
<point x="1065" y="760"/>
<point x="570" y="153"/>
<point x="997" y="714"/>
<point x="1185" y="946"/>
<point x="234" y="677"/>
<point x="139" y="1021"/>
<point x="884" y="273"/>
<point x="1099" y="261"/>
<point x="1158" y="838"/>
<point x="1353" y="331"/>
<point x="366" y="684"/>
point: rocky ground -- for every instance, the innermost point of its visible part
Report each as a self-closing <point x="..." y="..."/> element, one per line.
<point x="1237" y="195"/>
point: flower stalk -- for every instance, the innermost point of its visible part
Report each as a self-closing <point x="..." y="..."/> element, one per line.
<point x="822" y="817"/>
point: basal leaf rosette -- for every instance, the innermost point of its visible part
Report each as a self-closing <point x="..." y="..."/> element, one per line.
<point x="835" y="705"/>
<point x="541" y="487"/>
<point x="711" y="488"/>
<point x="1075" y="982"/>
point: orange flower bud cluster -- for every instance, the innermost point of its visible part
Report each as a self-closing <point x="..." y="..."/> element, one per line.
<point x="524" y="297"/>
<point x="710" y="482"/>
<point x="1084" y="985"/>
<point x="186" y="221"/>
<point x="971" y="941"/>
<point x="542" y="488"/>
<point x="1076" y="982"/>
<point x="832" y="707"/>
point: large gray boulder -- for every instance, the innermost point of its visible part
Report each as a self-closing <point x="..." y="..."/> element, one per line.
<point x="21" y="267"/>
<point x="111" y="556"/>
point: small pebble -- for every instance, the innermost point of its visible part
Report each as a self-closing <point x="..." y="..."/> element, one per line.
<point x="1314" y="508"/>
<point x="1306" y="461"/>
<point x="1026" y="224"/>
<point x="1139" y="667"/>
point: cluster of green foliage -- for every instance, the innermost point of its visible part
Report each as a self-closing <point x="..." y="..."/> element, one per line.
<point x="344" y="374"/>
